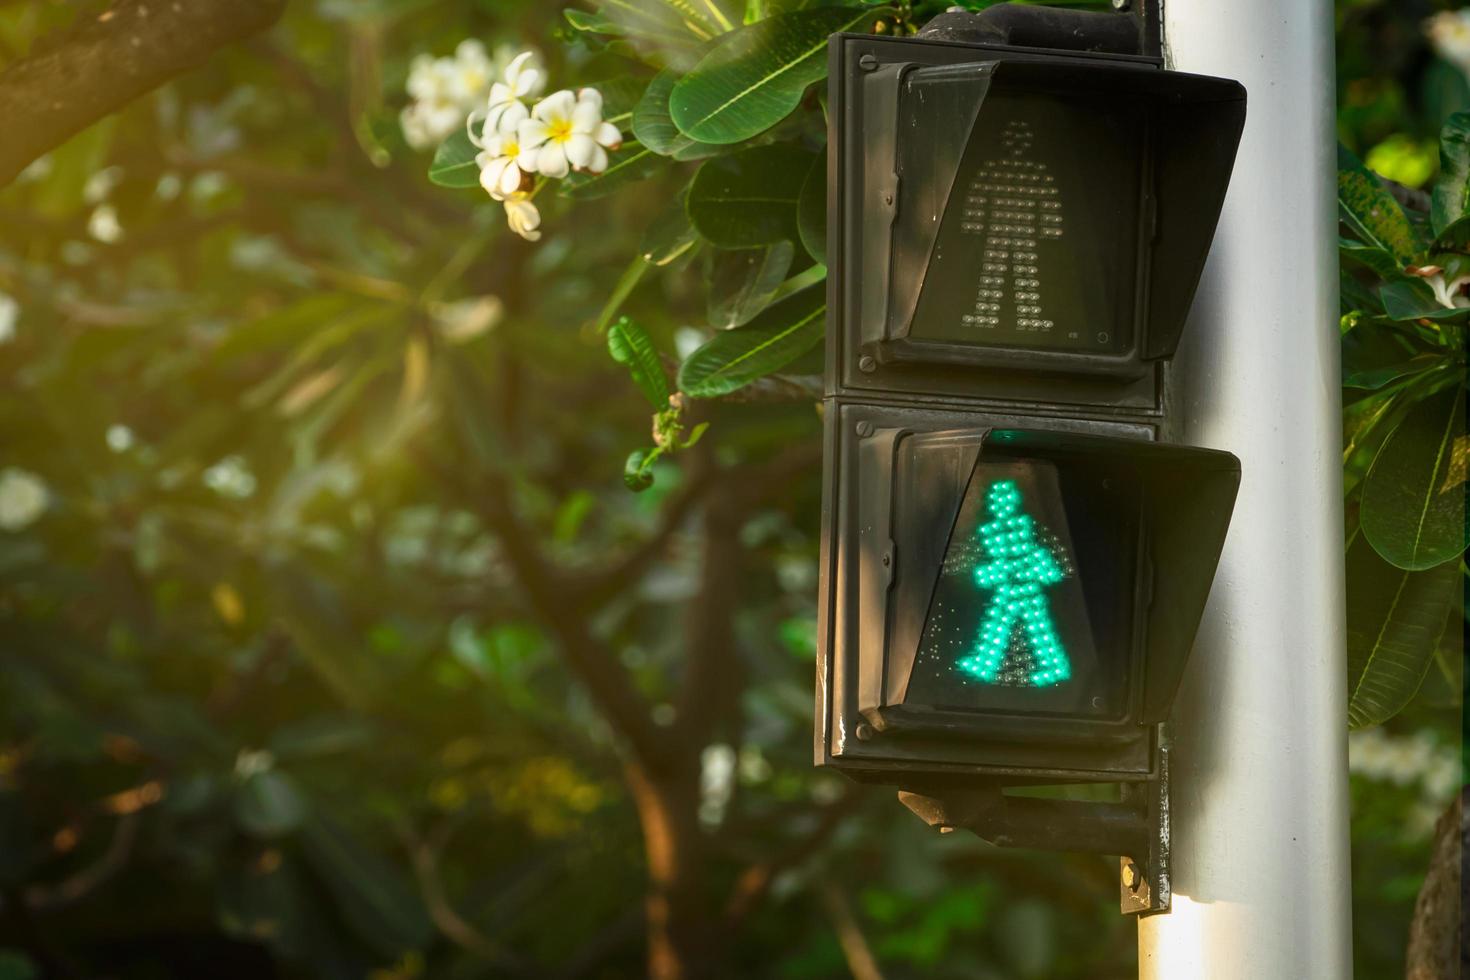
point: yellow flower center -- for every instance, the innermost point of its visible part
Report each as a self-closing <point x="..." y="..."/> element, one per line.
<point x="560" y="130"/>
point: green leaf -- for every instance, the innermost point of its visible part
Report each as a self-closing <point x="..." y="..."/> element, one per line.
<point x="1377" y="259"/>
<point x="1374" y="354"/>
<point x="320" y="735"/>
<point x="1371" y="212"/>
<point x="626" y="165"/>
<point x="1413" y="497"/>
<point x="811" y="211"/>
<point x="630" y="345"/>
<point x="774" y="339"/>
<point x="1451" y="200"/>
<point x="373" y="900"/>
<point x="671" y="234"/>
<point x="1413" y="299"/>
<point x="1394" y="621"/>
<point x="620" y="95"/>
<point x="454" y="162"/>
<point x="636" y="470"/>
<point x="742" y="282"/>
<point x="655" y="128"/>
<point x="749" y="198"/>
<point x="756" y="75"/>
<point x="269" y="805"/>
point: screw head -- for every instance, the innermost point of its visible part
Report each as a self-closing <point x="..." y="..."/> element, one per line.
<point x="1133" y="876"/>
<point x="888" y="198"/>
<point x="887" y="559"/>
<point x="865" y="429"/>
<point x="868" y="62"/>
<point x="864" y="731"/>
<point x="867" y="365"/>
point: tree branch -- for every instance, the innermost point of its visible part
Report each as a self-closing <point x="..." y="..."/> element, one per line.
<point x="597" y="587"/>
<point x="595" y="665"/>
<point x="98" y="67"/>
<point x="755" y="881"/>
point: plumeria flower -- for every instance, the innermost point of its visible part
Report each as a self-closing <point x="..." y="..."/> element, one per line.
<point x="500" y="173"/>
<point x="469" y="72"/>
<point x="523" y="217"/>
<point x="566" y="130"/>
<point x="1448" y="292"/>
<point x="1449" y="32"/>
<point x="506" y="106"/>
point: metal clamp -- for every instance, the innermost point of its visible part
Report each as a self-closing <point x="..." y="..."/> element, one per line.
<point x="1136" y="828"/>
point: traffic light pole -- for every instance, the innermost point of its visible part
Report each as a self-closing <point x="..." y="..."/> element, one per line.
<point x="1260" y="802"/>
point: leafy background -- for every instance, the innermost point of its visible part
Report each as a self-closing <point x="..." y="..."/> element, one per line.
<point x="324" y="653"/>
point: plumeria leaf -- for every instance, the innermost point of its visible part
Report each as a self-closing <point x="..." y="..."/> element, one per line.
<point x="372" y="897"/>
<point x="1374" y="354"/>
<point x="1451" y="200"/>
<point x="1379" y="260"/>
<point x="1394" y="620"/>
<point x="1413" y="299"/>
<point x="619" y="97"/>
<point x="654" y="127"/>
<point x="735" y="358"/>
<point x="629" y="345"/>
<point x="811" y="211"/>
<point x="748" y="198"/>
<point x="626" y="165"/>
<point x="454" y="162"/>
<point x="757" y="75"/>
<point x="695" y="434"/>
<point x="269" y="804"/>
<point x="1371" y="212"/>
<point x="1413" y="510"/>
<point x="671" y="234"/>
<point x="1354" y="294"/>
<point x="742" y="282"/>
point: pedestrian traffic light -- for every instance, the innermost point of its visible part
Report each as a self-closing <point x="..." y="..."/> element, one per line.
<point x="1017" y="551"/>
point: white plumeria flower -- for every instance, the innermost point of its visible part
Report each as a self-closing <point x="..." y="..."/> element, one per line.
<point x="523" y="217"/>
<point x="1449" y="293"/>
<point x="506" y="107"/>
<point x="23" y="497"/>
<point x="469" y="72"/>
<point x="500" y="173"/>
<point x="566" y="130"/>
<point x="1449" y="32"/>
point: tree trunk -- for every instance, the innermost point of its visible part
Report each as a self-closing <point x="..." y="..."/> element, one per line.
<point x="1434" y="936"/>
<point x="682" y="941"/>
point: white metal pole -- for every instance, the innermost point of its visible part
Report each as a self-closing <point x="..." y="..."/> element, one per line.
<point x="1260" y="804"/>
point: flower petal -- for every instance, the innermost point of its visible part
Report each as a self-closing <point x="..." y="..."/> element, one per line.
<point x="527" y="82"/>
<point x="510" y="178"/>
<point x="599" y="160"/>
<point x="551" y="160"/>
<point x="608" y="135"/>
<point x="532" y="133"/>
<point x="579" y="149"/>
<point x="586" y="117"/>
<point x="473" y="129"/>
<point x="590" y="96"/>
<point x="491" y="176"/>
<point x="557" y="105"/>
<point x="511" y="117"/>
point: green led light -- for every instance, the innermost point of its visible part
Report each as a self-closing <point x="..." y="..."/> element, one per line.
<point x="1018" y="569"/>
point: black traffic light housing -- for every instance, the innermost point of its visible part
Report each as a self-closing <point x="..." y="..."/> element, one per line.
<point x="1016" y="551"/>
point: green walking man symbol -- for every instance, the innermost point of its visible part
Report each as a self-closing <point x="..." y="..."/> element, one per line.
<point x="1020" y="567"/>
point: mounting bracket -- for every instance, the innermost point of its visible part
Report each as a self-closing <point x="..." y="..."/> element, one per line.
<point x="1137" y="828"/>
<point x="1133" y="27"/>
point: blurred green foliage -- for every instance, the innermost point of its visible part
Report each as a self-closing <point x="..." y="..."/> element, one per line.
<point x="277" y="697"/>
